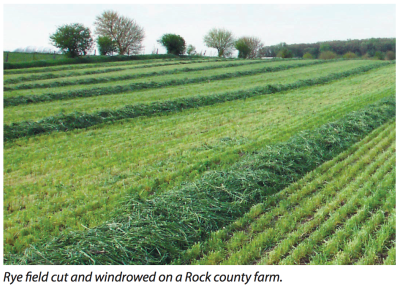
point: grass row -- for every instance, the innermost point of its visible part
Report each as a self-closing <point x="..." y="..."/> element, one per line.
<point x="42" y="110"/>
<point x="100" y="70"/>
<point x="103" y="65"/>
<point x="268" y="223"/>
<point x="85" y="60"/>
<point x="83" y="120"/>
<point x="127" y="76"/>
<point x="156" y="230"/>
<point x="129" y="86"/>
<point x="78" y="177"/>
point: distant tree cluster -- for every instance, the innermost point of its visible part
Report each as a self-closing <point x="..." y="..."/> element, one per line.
<point x="369" y="48"/>
<point x="122" y="35"/>
<point x="115" y="33"/>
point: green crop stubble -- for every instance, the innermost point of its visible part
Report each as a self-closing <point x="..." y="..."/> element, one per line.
<point x="391" y="258"/>
<point x="291" y="219"/>
<point x="297" y="195"/>
<point x="42" y="110"/>
<point x="229" y="192"/>
<point x="352" y="201"/>
<point x="378" y="242"/>
<point x="159" y="153"/>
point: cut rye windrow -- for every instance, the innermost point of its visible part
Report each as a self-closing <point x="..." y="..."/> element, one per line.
<point x="158" y="229"/>
<point x="80" y="120"/>
<point x="81" y="93"/>
<point x="98" y="80"/>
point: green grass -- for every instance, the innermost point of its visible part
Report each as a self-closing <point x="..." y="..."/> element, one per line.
<point x="84" y="60"/>
<point x="82" y="67"/>
<point x="122" y="86"/>
<point x="311" y="220"/>
<point x="158" y="229"/>
<point x="129" y="73"/>
<point x="42" y="110"/>
<point x="77" y="178"/>
<point x="16" y="57"/>
<point x="126" y="67"/>
<point x="84" y="120"/>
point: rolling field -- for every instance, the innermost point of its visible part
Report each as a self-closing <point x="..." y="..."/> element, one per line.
<point x="87" y="145"/>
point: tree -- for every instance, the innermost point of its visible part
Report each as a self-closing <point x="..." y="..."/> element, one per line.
<point x="174" y="44"/>
<point x="242" y="46"/>
<point x="390" y="55"/>
<point x="349" y="55"/>
<point x="327" y="55"/>
<point x="248" y="47"/>
<point x="127" y="35"/>
<point x="308" y="56"/>
<point x="378" y="55"/>
<point x="191" y="50"/>
<point x="285" y="53"/>
<point x="325" y="47"/>
<point x="106" y="45"/>
<point x="74" y="39"/>
<point x="222" y="40"/>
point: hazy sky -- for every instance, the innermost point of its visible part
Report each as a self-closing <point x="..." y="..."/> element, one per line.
<point x="31" y="25"/>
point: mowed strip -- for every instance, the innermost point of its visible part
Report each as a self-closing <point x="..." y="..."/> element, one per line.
<point x="75" y="67"/>
<point x="18" y="78"/>
<point x="78" y="177"/>
<point x="327" y="204"/>
<point x="42" y="110"/>
<point x="84" y="120"/>
<point x="156" y="81"/>
<point x="172" y="221"/>
<point x="128" y="73"/>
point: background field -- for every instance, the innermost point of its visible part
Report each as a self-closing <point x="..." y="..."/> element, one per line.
<point x="74" y="180"/>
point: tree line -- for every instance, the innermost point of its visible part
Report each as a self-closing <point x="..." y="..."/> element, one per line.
<point x="367" y="48"/>
<point x="122" y="35"/>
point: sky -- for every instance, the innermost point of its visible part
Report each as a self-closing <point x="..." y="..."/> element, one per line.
<point x="31" y="25"/>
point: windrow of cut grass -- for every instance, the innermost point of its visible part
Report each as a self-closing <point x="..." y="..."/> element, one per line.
<point x="128" y="75"/>
<point x="288" y="226"/>
<point x="12" y="79"/>
<point x="41" y="110"/>
<point x="83" y="120"/>
<point x="79" y="177"/>
<point x="105" y="65"/>
<point x="157" y="230"/>
<point x="89" y="59"/>
<point x="63" y="93"/>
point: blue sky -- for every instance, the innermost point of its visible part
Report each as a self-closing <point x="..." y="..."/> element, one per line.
<point x="31" y="25"/>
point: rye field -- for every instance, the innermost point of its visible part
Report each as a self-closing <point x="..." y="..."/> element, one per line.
<point x="200" y="161"/>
